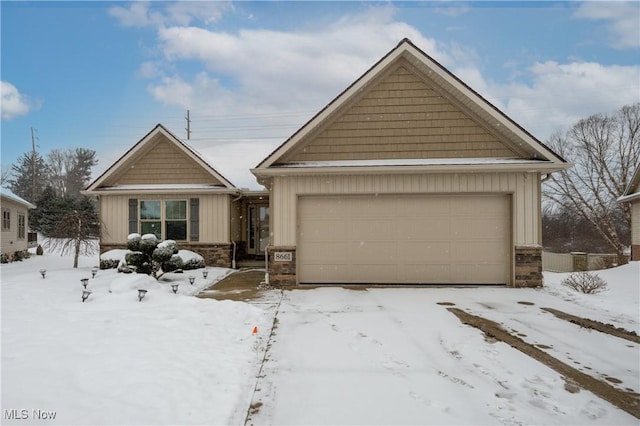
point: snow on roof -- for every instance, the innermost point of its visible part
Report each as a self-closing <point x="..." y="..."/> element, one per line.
<point x="7" y="193"/>
<point x="410" y="162"/>
<point x="164" y="186"/>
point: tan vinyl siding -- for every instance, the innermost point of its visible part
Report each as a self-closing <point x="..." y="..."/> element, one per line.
<point x="635" y="222"/>
<point x="401" y="117"/>
<point x="214" y="223"/>
<point x="164" y="163"/>
<point x="525" y="188"/>
<point x="10" y="242"/>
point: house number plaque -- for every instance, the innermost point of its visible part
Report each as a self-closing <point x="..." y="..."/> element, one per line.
<point x="282" y="256"/>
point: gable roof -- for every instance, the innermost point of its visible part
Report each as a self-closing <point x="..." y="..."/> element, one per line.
<point x="632" y="191"/>
<point x="538" y="156"/>
<point x="6" y="193"/>
<point x="108" y="181"/>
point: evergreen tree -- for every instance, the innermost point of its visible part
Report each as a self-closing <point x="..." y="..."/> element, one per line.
<point x="29" y="176"/>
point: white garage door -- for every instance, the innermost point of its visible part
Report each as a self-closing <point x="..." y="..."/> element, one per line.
<point x="404" y="239"/>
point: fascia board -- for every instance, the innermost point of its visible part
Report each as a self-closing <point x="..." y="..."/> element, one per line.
<point x="547" y="167"/>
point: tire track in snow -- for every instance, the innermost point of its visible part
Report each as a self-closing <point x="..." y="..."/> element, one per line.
<point x="627" y="401"/>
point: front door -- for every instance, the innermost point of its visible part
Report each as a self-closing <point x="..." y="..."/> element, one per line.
<point x="258" y="229"/>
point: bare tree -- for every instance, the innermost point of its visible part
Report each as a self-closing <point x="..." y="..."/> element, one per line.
<point x="605" y="151"/>
<point x="76" y="231"/>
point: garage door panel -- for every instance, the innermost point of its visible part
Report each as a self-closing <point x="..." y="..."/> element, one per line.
<point x="425" y="274"/>
<point x="425" y="252"/>
<point x="326" y="252"/>
<point x="479" y="252"/>
<point x="372" y="252"/>
<point x="409" y="238"/>
<point x="416" y="229"/>
<point x="363" y="230"/>
<point x="374" y="274"/>
<point x="330" y="273"/>
<point x="324" y="230"/>
<point x="477" y="274"/>
<point x="484" y="228"/>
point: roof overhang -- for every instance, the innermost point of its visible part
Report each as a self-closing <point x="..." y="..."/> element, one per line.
<point x="461" y="166"/>
<point x="160" y="190"/>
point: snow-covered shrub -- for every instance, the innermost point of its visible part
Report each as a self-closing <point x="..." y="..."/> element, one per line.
<point x="148" y="244"/>
<point x="585" y="282"/>
<point x="173" y="264"/>
<point x="133" y="242"/>
<point x="39" y="250"/>
<point x="109" y="263"/>
<point x="191" y="259"/>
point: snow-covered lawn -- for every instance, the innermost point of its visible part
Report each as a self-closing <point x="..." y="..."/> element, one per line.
<point x="381" y="356"/>
<point x="170" y="359"/>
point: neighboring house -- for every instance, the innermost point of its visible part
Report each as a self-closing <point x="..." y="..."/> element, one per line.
<point x="408" y="177"/>
<point x="15" y="222"/>
<point x="163" y="187"/>
<point x="631" y="195"/>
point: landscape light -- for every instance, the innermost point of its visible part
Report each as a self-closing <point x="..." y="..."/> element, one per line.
<point x="43" y="272"/>
<point x="191" y="279"/>
<point x="141" y="293"/>
<point x="85" y="294"/>
<point x="174" y="287"/>
<point x="205" y="273"/>
<point x="84" y="281"/>
<point x="94" y="271"/>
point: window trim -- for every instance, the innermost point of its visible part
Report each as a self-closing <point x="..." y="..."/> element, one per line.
<point x="6" y="219"/>
<point x="163" y="216"/>
<point x="22" y="226"/>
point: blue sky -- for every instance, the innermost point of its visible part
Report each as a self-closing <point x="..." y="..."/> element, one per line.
<point x="100" y="75"/>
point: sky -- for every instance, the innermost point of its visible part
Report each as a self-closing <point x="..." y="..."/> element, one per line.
<point x="101" y="75"/>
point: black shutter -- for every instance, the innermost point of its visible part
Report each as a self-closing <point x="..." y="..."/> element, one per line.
<point x="194" y="219"/>
<point x="133" y="215"/>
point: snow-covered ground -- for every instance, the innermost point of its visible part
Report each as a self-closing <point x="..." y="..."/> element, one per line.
<point x="376" y="356"/>
<point x="398" y="356"/>
<point x="169" y="359"/>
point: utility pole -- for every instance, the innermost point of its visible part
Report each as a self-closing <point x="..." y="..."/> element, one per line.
<point x="33" y="167"/>
<point x="188" y="128"/>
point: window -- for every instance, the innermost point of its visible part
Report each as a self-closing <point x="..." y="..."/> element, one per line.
<point x="6" y="219"/>
<point x="150" y="220"/>
<point x="173" y="222"/>
<point x="22" y="226"/>
<point x="176" y="220"/>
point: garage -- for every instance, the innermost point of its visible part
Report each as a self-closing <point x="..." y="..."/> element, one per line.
<point x="404" y="239"/>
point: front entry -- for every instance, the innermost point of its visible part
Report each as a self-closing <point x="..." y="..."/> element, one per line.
<point x="258" y="229"/>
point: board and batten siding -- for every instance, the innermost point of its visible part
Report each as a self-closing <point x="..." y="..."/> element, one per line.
<point x="524" y="187"/>
<point x="214" y="220"/>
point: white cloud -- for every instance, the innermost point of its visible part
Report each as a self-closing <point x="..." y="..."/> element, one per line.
<point x="14" y="103"/>
<point x="142" y="14"/>
<point x="623" y="20"/>
<point x="561" y="94"/>
<point x="254" y="88"/>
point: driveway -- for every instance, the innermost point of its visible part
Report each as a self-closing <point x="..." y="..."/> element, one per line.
<point x="398" y="356"/>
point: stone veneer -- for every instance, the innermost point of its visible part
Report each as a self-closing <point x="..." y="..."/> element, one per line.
<point x="218" y="254"/>
<point x="528" y="266"/>
<point x="282" y="273"/>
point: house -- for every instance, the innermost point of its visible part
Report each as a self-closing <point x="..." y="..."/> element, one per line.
<point x="15" y="219"/>
<point x="631" y="195"/>
<point x="409" y="176"/>
<point x="164" y="187"/>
